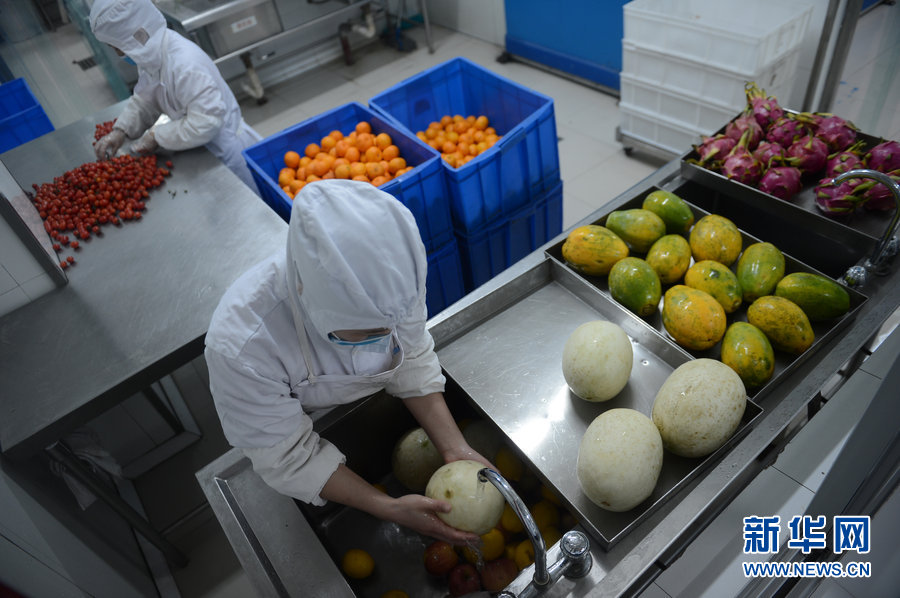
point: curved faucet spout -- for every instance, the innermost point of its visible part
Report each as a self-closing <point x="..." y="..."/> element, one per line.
<point x="541" y="573"/>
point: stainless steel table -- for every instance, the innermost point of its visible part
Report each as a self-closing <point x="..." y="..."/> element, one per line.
<point x="139" y="299"/>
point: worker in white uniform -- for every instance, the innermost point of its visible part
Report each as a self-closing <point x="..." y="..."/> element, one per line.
<point x="337" y="317"/>
<point x="175" y="78"/>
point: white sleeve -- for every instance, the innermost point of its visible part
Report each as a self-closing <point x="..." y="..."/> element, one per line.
<point x="137" y="116"/>
<point x="420" y="373"/>
<point x="260" y="417"/>
<point x="204" y="117"/>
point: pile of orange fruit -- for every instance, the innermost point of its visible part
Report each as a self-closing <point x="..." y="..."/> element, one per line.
<point x="459" y="138"/>
<point x="361" y="155"/>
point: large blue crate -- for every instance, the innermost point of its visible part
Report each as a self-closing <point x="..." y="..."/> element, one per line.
<point x="21" y="116"/>
<point x="444" y="284"/>
<point x="423" y="189"/>
<point x="486" y="253"/>
<point x="519" y="169"/>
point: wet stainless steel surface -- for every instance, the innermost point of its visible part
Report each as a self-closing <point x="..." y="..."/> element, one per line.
<point x="139" y="298"/>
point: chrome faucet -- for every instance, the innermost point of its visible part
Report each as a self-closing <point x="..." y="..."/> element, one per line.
<point x="887" y="246"/>
<point x="575" y="546"/>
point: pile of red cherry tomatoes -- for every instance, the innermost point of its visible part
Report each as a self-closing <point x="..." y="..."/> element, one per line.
<point x="96" y="193"/>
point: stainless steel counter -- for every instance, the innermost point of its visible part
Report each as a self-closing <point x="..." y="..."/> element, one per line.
<point x="238" y="496"/>
<point x="139" y="298"/>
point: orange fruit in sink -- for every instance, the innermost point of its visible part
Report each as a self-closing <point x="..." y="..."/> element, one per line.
<point x="493" y="545"/>
<point x="357" y="563"/>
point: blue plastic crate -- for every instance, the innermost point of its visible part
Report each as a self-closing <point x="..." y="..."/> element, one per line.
<point x="444" y="284"/>
<point x="423" y="189"/>
<point x="21" y="116"/>
<point x="519" y="169"/>
<point x="486" y="253"/>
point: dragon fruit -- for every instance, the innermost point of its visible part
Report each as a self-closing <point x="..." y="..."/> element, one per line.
<point x="838" y="133"/>
<point x="809" y="154"/>
<point x="765" y="109"/>
<point x="745" y="123"/>
<point x="884" y="157"/>
<point x="740" y="165"/>
<point x="767" y="151"/>
<point x="879" y="198"/>
<point x="840" y="199"/>
<point x="842" y="161"/>
<point x="785" y="131"/>
<point x="781" y="181"/>
<point x="714" y="148"/>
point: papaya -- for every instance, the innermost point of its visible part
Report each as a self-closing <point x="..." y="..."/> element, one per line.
<point x="670" y="257"/>
<point x="747" y="351"/>
<point x="820" y="298"/>
<point x="716" y="238"/>
<point x="639" y="228"/>
<point x="783" y="323"/>
<point x="673" y="210"/>
<point x="693" y="317"/>
<point x="717" y="280"/>
<point x="593" y="249"/>
<point x="634" y="284"/>
<point x="759" y="269"/>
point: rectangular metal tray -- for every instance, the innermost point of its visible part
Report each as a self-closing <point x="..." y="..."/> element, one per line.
<point x="872" y="224"/>
<point x="511" y="363"/>
<point x="784" y="363"/>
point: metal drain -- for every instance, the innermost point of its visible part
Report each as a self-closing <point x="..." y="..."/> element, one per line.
<point x="85" y="63"/>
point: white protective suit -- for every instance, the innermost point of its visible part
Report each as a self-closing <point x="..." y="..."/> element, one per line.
<point x="175" y="78"/>
<point x="354" y="261"/>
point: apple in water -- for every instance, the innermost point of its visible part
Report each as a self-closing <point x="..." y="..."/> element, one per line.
<point x="440" y="557"/>
<point x="499" y="573"/>
<point x="463" y="579"/>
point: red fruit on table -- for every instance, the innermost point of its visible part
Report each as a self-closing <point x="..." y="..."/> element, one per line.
<point x="440" y="557"/>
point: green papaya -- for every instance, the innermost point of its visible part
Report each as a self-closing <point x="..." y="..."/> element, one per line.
<point x="673" y="210"/>
<point x="637" y="227"/>
<point x="759" y="269"/>
<point x="820" y="298"/>
<point x="634" y="284"/>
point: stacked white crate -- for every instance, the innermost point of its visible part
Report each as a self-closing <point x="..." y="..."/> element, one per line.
<point x="684" y="64"/>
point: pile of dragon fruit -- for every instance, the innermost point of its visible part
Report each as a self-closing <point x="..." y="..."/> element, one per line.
<point x="777" y="152"/>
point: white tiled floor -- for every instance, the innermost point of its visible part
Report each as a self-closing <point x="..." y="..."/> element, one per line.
<point x="594" y="170"/>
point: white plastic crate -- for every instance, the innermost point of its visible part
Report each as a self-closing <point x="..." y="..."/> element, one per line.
<point x="701" y="80"/>
<point x="703" y="115"/>
<point x="736" y="35"/>
<point x="656" y="130"/>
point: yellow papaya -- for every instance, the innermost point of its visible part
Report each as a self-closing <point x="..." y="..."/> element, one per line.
<point x="783" y="323"/>
<point x="716" y="238"/>
<point x="593" y="249"/>
<point x="693" y="317"/>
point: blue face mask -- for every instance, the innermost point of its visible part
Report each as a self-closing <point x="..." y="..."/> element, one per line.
<point x="375" y="344"/>
<point x="129" y="60"/>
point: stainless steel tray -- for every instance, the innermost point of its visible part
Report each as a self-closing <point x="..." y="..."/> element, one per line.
<point x="511" y="362"/>
<point x="872" y="224"/>
<point x="784" y="363"/>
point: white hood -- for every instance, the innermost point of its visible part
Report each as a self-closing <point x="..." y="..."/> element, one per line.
<point x="352" y="277"/>
<point x="136" y="27"/>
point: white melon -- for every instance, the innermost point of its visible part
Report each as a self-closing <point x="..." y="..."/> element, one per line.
<point x="619" y="459"/>
<point x="415" y="459"/>
<point x="699" y="407"/>
<point x="476" y="505"/>
<point x="597" y="360"/>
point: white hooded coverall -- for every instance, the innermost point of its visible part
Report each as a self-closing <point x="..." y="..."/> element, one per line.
<point x="354" y="261"/>
<point x="175" y="78"/>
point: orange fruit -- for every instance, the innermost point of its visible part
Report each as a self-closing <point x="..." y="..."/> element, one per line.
<point x="551" y="536"/>
<point x="312" y="149"/>
<point x="364" y="141"/>
<point x="328" y="143"/>
<point x="470" y="120"/>
<point x="481" y="122"/>
<point x="510" y="521"/>
<point x="461" y="127"/>
<point x="396" y="165"/>
<point x="319" y="167"/>
<point x="342" y="171"/>
<point x="363" y="127"/>
<point x="508" y="464"/>
<point x="287" y="190"/>
<point x="285" y="176"/>
<point x="357" y="563"/>
<point x="338" y="161"/>
<point x="382" y="140"/>
<point x="312" y="178"/>
<point x="524" y="554"/>
<point x="435" y="144"/>
<point x="301" y="173"/>
<point x="421" y="135"/>
<point x="490" y="131"/>
<point x="357" y="169"/>
<point x="458" y="118"/>
<point x="328" y="175"/>
<point x="305" y="160"/>
<point x="337" y="135"/>
<point x="373" y="154"/>
<point x="341" y="146"/>
<point x="361" y="177"/>
<point x="379" y="181"/>
<point x="353" y="154"/>
<point x="404" y="171"/>
<point x="374" y="169"/>
<point x="291" y="159"/>
<point x="390" y="152"/>
<point x="545" y="514"/>
<point x="446" y="120"/>
<point x="450" y="159"/>
<point x="449" y="147"/>
<point x="296" y="185"/>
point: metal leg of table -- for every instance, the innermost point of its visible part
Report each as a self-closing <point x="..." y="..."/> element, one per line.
<point x="423" y="8"/>
<point x="61" y="453"/>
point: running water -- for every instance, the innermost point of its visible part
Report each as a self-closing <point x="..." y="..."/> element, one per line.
<point x="476" y="550"/>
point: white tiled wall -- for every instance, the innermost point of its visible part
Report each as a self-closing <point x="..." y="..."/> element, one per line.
<point x="22" y="279"/>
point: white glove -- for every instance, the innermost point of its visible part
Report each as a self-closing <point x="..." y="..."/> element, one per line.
<point x="107" y="146"/>
<point x="146" y="144"/>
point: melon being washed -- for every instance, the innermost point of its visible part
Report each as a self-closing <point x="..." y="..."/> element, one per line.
<point x="597" y="360"/>
<point x="415" y="459"/>
<point x="476" y="505"/>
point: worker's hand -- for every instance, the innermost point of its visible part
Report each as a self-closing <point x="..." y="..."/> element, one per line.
<point x="146" y="144"/>
<point x="418" y="513"/>
<point x="107" y="146"/>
